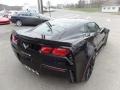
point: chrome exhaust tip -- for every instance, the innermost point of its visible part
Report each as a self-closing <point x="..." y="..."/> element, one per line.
<point x="33" y="71"/>
<point x="37" y="73"/>
<point x="27" y="67"/>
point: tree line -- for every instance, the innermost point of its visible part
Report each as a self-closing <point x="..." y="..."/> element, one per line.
<point x="91" y="3"/>
<point x="2" y="7"/>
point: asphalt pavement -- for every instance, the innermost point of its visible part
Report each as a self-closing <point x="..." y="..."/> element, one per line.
<point x="106" y="73"/>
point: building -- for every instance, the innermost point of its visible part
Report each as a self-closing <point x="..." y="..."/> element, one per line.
<point x="111" y="8"/>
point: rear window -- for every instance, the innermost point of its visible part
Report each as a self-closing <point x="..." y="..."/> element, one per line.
<point x="48" y="29"/>
<point x="23" y="14"/>
<point x="58" y="26"/>
<point x="66" y="23"/>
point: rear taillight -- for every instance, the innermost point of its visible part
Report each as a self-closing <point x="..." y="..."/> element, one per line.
<point x="46" y="50"/>
<point x="61" y="52"/>
<point x="14" y="39"/>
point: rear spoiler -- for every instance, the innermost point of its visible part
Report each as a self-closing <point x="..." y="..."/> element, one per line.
<point x="42" y="41"/>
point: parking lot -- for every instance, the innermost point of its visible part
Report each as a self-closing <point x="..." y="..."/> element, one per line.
<point x="106" y="73"/>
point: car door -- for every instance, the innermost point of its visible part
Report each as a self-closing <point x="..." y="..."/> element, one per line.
<point x="95" y="30"/>
<point x="31" y="19"/>
<point x="35" y="19"/>
<point x="22" y="17"/>
<point x="25" y="18"/>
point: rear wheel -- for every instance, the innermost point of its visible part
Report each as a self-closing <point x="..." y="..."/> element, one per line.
<point x="89" y="68"/>
<point x="19" y="23"/>
<point x="71" y="76"/>
<point x="84" y="66"/>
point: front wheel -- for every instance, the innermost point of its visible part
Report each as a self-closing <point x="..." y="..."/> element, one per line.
<point x="19" y="23"/>
<point x="105" y="42"/>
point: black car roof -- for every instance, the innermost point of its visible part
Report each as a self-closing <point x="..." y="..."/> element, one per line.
<point x="55" y="29"/>
<point x="69" y="23"/>
<point x="64" y="20"/>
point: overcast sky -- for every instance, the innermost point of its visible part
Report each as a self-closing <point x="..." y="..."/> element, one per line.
<point x="34" y="2"/>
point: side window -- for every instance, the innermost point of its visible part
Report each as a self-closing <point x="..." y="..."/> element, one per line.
<point x="92" y="27"/>
<point x="70" y="33"/>
<point x="82" y="29"/>
<point x="23" y="14"/>
<point x="28" y="14"/>
<point x="31" y="14"/>
<point x="75" y="31"/>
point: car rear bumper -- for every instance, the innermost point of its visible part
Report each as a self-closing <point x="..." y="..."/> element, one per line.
<point x="37" y="61"/>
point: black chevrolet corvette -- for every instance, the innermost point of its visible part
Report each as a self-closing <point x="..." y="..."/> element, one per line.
<point x="62" y="45"/>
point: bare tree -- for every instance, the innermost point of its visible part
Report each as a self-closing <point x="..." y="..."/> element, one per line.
<point x="91" y="4"/>
<point x="81" y="3"/>
<point x="97" y="3"/>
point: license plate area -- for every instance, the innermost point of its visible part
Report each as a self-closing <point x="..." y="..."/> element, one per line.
<point x="53" y="68"/>
<point x="25" y="54"/>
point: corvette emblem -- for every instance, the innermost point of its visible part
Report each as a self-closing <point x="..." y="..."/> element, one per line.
<point x="25" y="45"/>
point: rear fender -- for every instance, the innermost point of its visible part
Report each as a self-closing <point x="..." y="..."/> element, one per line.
<point x="81" y="60"/>
<point x="90" y="49"/>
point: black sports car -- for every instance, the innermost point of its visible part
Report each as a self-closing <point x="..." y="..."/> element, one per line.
<point x="28" y="18"/>
<point x="62" y="45"/>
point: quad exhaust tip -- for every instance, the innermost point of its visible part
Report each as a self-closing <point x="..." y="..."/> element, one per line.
<point x="30" y="69"/>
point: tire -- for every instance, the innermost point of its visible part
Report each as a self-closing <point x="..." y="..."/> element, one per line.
<point x="85" y="64"/>
<point x="89" y="69"/>
<point x="86" y="70"/>
<point x="105" y="42"/>
<point x="71" y="76"/>
<point x="19" y="23"/>
<point x="91" y="61"/>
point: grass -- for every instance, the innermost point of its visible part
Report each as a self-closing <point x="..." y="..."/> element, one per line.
<point x="86" y="9"/>
<point x="116" y="13"/>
